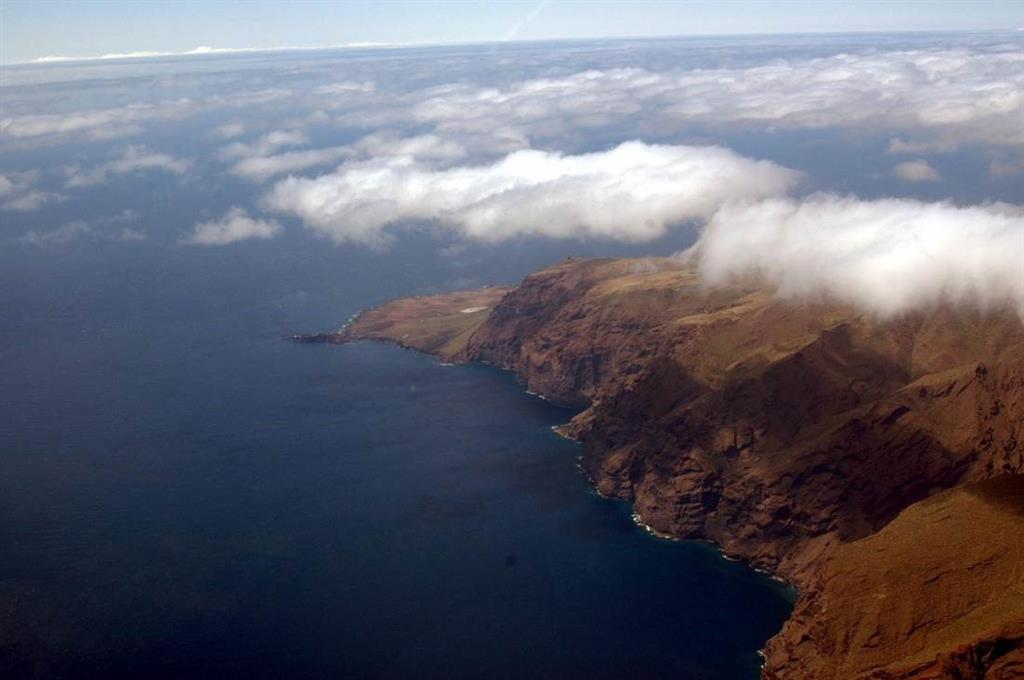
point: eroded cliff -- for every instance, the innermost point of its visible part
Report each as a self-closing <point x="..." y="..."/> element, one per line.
<point x="790" y="433"/>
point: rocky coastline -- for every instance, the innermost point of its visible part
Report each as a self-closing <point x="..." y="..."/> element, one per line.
<point x="848" y="455"/>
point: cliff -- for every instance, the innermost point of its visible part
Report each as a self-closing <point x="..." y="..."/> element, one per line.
<point x="435" y="324"/>
<point x="798" y="436"/>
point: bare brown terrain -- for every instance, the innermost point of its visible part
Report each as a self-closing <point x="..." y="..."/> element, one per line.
<point x="434" y="324"/>
<point x="810" y="439"/>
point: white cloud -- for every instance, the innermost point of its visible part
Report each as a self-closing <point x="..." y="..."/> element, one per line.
<point x="425" y="147"/>
<point x="31" y="200"/>
<point x="933" y="99"/>
<point x="899" y="146"/>
<point x="261" y="168"/>
<point x="346" y="87"/>
<point x="888" y="256"/>
<point x="235" y="226"/>
<point x="946" y="96"/>
<point x="204" y="50"/>
<point x="95" y="124"/>
<point x="259" y="161"/>
<point x="17" y="192"/>
<point x="379" y="146"/>
<point x="632" y="192"/>
<point x="101" y="123"/>
<point x="135" y="159"/>
<point x="60" y="235"/>
<point x="265" y="145"/>
<point x="229" y="130"/>
<point x="98" y="228"/>
<point x="916" y="171"/>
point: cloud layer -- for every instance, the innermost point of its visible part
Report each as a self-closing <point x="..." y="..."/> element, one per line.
<point x="942" y="96"/>
<point x="235" y="226"/>
<point x="888" y="256"/>
<point x="17" y="192"/>
<point x="134" y="159"/>
<point x="927" y="99"/>
<point x="631" y="192"/>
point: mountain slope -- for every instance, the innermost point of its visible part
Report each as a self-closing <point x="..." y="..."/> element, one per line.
<point x="784" y="431"/>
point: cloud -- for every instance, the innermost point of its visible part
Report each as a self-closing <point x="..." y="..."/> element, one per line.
<point x="925" y="99"/>
<point x="96" y="123"/>
<point x="17" y="192"/>
<point x="887" y="256"/>
<point x="94" y="228"/>
<point x="937" y="97"/>
<point x="236" y="225"/>
<point x="346" y="87"/>
<point x="59" y="236"/>
<point x="260" y="168"/>
<point x="31" y="200"/>
<point x="267" y="144"/>
<point x="229" y="130"/>
<point x="206" y="50"/>
<point x="916" y="171"/>
<point x="259" y="162"/>
<point x="135" y="159"/>
<point x="424" y="147"/>
<point x="632" y="192"/>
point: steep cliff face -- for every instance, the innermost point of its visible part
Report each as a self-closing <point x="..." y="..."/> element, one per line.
<point x="896" y="605"/>
<point x="787" y="432"/>
<point x="773" y="428"/>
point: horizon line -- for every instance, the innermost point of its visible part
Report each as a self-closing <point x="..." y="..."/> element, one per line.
<point x="204" y="50"/>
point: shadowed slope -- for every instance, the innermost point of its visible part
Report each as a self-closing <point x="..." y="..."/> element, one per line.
<point x="783" y="431"/>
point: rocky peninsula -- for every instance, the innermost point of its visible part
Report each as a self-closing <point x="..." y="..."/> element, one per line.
<point x="875" y="464"/>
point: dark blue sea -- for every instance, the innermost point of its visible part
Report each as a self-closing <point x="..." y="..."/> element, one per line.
<point x="183" y="494"/>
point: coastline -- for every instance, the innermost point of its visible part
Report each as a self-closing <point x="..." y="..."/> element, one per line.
<point x="570" y="349"/>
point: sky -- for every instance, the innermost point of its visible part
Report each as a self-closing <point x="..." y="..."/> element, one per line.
<point x="32" y="29"/>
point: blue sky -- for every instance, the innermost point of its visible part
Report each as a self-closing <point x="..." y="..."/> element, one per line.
<point x="37" y="28"/>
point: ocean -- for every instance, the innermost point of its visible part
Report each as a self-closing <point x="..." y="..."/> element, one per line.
<point x="183" y="493"/>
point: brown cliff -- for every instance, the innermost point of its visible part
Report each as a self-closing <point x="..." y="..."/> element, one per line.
<point x="790" y="434"/>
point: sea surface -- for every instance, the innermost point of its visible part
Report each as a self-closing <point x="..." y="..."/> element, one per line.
<point x="184" y="494"/>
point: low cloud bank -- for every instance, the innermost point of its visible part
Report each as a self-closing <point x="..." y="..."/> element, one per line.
<point x="938" y="98"/>
<point x="235" y="226"/>
<point x="632" y="192"/>
<point x="135" y="159"/>
<point x="115" y="227"/>
<point x="260" y="168"/>
<point x="18" y="192"/>
<point x="204" y="50"/>
<point x="887" y="256"/>
<point x="259" y="162"/>
<point x="926" y="99"/>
